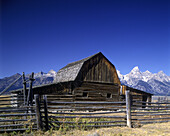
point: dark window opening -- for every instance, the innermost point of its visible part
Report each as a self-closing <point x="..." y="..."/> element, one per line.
<point x="109" y="95"/>
<point x="85" y="94"/>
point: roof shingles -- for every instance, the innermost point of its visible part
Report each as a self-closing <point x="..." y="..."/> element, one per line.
<point x="70" y="71"/>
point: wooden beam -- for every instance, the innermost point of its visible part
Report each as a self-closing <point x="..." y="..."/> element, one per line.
<point x="128" y="108"/>
<point x="38" y="113"/>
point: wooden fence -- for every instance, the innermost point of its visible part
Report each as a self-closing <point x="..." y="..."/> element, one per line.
<point x="55" y="112"/>
<point x="14" y="116"/>
<point x="154" y="112"/>
<point x="83" y="114"/>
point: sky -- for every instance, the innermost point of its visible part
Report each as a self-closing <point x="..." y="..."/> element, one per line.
<point x="40" y="35"/>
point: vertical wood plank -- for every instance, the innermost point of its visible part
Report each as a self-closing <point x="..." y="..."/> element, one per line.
<point x="101" y="69"/>
<point x="24" y="87"/>
<point x="128" y="108"/>
<point x="30" y="92"/>
<point x="38" y="113"/>
<point x="96" y="72"/>
<point x="103" y="72"/>
<point x="149" y="99"/>
<point x="46" y="112"/>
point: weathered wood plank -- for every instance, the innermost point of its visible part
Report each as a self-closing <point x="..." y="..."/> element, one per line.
<point x="167" y="118"/>
<point x="13" y="110"/>
<point x="19" y="129"/>
<point x="46" y="113"/>
<point x="128" y="109"/>
<point x="95" y="122"/>
<point x="86" y="102"/>
<point x="11" y="115"/>
<point x="149" y="109"/>
<point x="151" y="122"/>
<point x="152" y="106"/>
<point x="123" y="117"/>
<point x="13" y="125"/>
<point x="38" y="113"/>
<point x="86" y="107"/>
<point x="151" y="114"/>
<point x="152" y="102"/>
<point x="16" y="120"/>
<point x="92" y="113"/>
<point x="144" y="112"/>
<point x="95" y="126"/>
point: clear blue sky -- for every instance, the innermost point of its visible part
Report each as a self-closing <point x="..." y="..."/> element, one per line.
<point x="40" y="35"/>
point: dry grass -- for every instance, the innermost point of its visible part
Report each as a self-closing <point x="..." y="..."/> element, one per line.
<point x="157" y="129"/>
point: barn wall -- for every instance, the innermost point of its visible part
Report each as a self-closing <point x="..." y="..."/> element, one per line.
<point x="98" y="69"/>
<point x="96" y="92"/>
<point x="137" y="94"/>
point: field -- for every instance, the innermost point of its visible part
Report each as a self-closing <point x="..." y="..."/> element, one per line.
<point x="157" y="129"/>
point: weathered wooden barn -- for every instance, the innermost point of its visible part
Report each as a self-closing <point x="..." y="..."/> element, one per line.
<point x="136" y="94"/>
<point x="91" y="79"/>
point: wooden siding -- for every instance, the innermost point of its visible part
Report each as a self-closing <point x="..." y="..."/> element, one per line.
<point x="136" y="95"/>
<point x="98" y="69"/>
<point x="123" y="89"/>
<point x="96" y="92"/>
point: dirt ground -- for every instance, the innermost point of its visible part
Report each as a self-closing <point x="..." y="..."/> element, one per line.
<point x="157" y="129"/>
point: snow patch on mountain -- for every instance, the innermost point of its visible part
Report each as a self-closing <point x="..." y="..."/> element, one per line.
<point x="157" y="83"/>
<point x="51" y="73"/>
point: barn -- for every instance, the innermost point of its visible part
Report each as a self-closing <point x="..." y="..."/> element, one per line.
<point x="136" y="94"/>
<point x="91" y="79"/>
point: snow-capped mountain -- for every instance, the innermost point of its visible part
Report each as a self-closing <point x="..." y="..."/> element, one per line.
<point x="51" y="73"/>
<point x="157" y="83"/>
<point x="40" y="78"/>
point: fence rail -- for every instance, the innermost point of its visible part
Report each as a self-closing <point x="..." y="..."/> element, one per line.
<point x="154" y="112"/>
<point x="14" y="116"/>
<point x="46" y="112"/>
<point x="82" y="114"/>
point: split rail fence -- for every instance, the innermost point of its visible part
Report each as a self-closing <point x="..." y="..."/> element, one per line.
<point x="60" y="114"/>
<point x="15" y="116"/>
<point x="47" y="112"/>
<point x="153" y="112"/>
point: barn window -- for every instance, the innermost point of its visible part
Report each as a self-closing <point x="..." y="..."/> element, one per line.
<point x="85" y="94"/>
<point x="109" y="95"/>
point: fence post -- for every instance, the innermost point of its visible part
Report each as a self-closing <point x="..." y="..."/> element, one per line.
<point x="30" y="93"/>
<point x="24" y="87"/>
<point x="37" y="110"/>
<point x="46" y="112"/>
<point x="128" y="108"/>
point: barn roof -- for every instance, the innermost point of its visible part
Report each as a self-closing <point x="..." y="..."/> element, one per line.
<point x="137" y="90"/>
<point x="71" y="70"/>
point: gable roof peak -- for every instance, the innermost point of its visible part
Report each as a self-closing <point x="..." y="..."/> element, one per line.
<point x="71" y="70"/>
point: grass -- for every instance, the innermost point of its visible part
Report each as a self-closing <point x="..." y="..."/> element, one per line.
<point x="157" y="129"/>
<point x="83" y="123"/>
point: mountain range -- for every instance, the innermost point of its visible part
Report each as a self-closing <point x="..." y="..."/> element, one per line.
<point x="155" y="83"/>
<point x="40" y="78"/>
